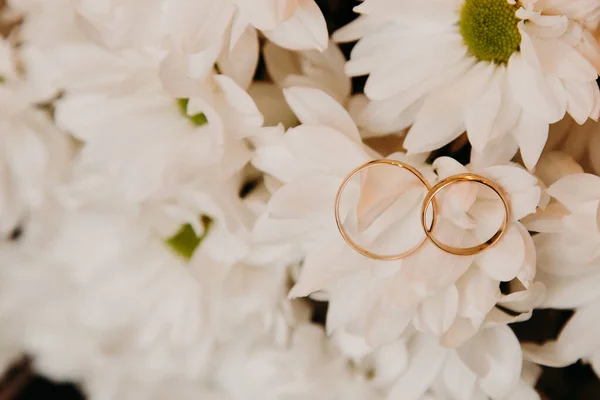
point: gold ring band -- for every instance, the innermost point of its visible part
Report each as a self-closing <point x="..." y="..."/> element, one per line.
<point x="343" y="232"/>
<point x="467" y="177"/>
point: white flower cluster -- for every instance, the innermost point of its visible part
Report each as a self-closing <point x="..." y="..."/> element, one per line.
<point x="169" y="170"/>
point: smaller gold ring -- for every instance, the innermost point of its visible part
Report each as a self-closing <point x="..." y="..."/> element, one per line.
<point x="468" y="177"/>
<point x="343" y="232"/>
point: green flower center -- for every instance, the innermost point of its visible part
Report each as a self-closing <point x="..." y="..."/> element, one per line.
<point x="489" y="29"/>
<point x="196" y="119"/>
<point x="185" y="241"/>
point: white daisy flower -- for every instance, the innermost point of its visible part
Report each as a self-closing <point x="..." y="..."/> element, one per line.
<point x="488" y="366"/>
<point x="499" y="69"/>
<point x="451" y="296"/>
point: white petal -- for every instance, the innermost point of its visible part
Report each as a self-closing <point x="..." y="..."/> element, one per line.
<point x="459" y="333"/>
<point x="356" y="29"/>
<point x="498" y="151"/>
<point x="246" y="119"/>
<point x="398" y="112"/>
<point x="325" y="265"/>
<point x="446" y="166"/>
<point x="532" y="91"/>
<point x="545" y="354"/>
<point x="580" y="187"/>
<point x="386" y="329"/>
<point x="382" y="188"/>
<point x="393" y="77"/>
<point x="525" y="300"/>
<point x="409" y="12"/>
<point x="322" y="149"/>
<point x="504" y="260"/>
<point x="266" y="14"/>
<point x="569" y="292"/>
<point x="305" y="30"/>
<point x="426" y="360"/>
<point x="422" y="268"/>
<point x="391" y="362"/>
<point x="304" y="197"/>
<point x="458" y="379"/>
<point x="314" y="107"/>
<point x="438" y="312"/>
<point x="480" y="115"/>
<point x="440" y="120"/>
<point x="520" y="186"/>
<point x="478" y="294"/>
<point x="240" y="62"/>
<point x="549" y="220"/>
<point x="581" y="99"/>
<point x="527" y="272"/>
<point x="348" y="299"/>
<point x="531" y="133"/>
<point x="579" y="337"/>
<point x="506" y="361"/>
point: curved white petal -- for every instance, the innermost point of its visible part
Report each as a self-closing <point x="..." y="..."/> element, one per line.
<point x="314" y="107"/>
<point x="306" y="29"/>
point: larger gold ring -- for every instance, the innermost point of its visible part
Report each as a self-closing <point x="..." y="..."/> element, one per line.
<point x="343" y="232"/>
<point x="468" y="177"/>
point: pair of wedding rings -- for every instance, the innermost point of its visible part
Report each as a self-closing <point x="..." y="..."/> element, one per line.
<point x="428" y="201"/>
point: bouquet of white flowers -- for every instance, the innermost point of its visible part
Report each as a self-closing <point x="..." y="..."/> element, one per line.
<point x="301" y="199"/>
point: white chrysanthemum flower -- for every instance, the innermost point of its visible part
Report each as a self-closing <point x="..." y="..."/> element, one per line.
<point x="223" y="31"/>
<point x="582" y="142"/>
<point x="488" y="366"/>
<point x="102" y="286"/>
<point x="451" y="296"/>
<point x="35" y="154"/>
<point x="568" y="247"/>
<point x="319" y="70"/>
<point x="308" y="367"/>
<point x="248" y="280"/>
<point x="310" y="68"/>
<point x="586" y="12"/>
<point x="499" y="69"/>
<point x="155" y="138"/>
<point x="569" y="239"/>
<point x="160" y="153"/>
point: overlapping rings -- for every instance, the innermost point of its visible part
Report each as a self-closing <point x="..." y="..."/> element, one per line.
<point x="428" y="202"/>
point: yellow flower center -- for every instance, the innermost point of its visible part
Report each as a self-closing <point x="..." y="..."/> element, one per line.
<point x="489" y="29"/>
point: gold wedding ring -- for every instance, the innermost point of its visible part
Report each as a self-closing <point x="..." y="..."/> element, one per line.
<point x="429" y="200"/>
<point x="451" y="180"/>
<point x="342" y="230"/>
